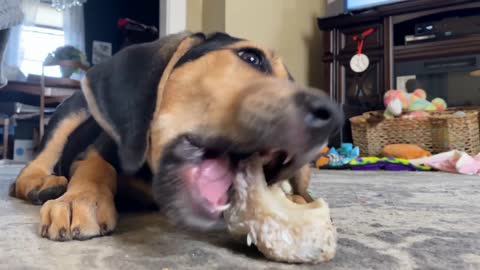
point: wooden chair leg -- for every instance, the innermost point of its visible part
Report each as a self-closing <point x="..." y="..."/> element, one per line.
<point x="6" y="128"/>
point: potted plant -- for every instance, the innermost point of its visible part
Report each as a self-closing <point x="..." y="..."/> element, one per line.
<point x="69" y="58"/>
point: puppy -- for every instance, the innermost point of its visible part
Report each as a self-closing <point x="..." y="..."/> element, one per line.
<point x="166" y="123"/>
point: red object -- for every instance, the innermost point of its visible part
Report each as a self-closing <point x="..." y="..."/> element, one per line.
<point x="121" y="23"/>
<point x="361" y="38"/>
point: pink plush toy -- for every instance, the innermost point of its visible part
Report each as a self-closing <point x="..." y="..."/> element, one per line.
<point x="398" y="102"/>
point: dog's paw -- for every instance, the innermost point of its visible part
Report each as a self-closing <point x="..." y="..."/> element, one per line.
<point x="38" y="187"/>
<point x="78" y="216"/>
<point x="51" y="188"/>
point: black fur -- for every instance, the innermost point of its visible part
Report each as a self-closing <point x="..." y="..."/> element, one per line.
<point x="125" y="90"/>
<point x="76" y="144"/>
<point x="214" y="42"/>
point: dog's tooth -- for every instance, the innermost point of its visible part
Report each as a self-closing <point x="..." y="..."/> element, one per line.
<point x="223" y="207"/>
<point x="288" y="159"/>
<point x="249" y="240"/>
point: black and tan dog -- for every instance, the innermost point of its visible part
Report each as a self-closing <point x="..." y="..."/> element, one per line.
<point x="169" y="120"/>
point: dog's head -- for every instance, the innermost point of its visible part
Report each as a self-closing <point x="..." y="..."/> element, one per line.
<point x="192" y="106"/>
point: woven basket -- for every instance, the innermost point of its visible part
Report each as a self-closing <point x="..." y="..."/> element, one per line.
<point x="441" y="132"/>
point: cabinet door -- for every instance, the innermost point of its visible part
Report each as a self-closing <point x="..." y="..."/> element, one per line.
<point x="361" y="92"/>
<point x="362" y="89"/>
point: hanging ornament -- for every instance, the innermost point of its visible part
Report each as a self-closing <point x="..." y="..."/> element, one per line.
<point x="360" y="62"/>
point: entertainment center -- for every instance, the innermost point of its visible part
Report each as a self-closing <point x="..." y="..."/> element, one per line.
<point x="428" y="44"/>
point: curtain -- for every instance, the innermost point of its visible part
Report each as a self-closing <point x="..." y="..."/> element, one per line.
<point x="30" y="8"/>
<point x="74" y="27"/>
<point x="13" y="54"/>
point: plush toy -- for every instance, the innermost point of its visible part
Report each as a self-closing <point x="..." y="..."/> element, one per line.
<point x="418" y="115"/>
<point x="395" y="102"/>
<point x="405" y="151"/>
<point x="386" y="164"/>
<point x="332" y="158"/>
<point x="399" y="102"/>
<point x="342" y="155"/>
<point x="323" y="159"/>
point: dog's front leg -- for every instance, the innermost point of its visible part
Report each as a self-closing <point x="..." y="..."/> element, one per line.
<point x="300" y="182"/>
<point x="87" y="208"/>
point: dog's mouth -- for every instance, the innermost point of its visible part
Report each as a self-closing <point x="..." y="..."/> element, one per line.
<point x="206" y="170"/>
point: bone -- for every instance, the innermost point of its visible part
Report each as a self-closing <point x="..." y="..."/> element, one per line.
<point x="281" y="229"/>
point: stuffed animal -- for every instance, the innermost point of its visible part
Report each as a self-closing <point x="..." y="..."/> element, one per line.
<point x="331" y="157"/>
<point x="405" y="151"/>
<point x="399" y="102"/>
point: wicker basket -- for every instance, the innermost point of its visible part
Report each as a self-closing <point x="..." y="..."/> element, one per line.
<point x="441" y="132"/>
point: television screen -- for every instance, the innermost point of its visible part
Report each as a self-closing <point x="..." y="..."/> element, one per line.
<point x="360" y="4"/>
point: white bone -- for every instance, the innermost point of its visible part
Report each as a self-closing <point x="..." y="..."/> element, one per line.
<point x="281" y="229"/>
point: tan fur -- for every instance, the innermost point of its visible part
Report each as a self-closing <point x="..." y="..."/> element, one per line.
<point x="33" y="176"/>
<point x="296" y="199"/>
<point x="203" y="95"/>
<point x="95" y="111"/>
<point x="87" y="209"/>
<point x="300" y="183"/>
<point x="51" y="181"/>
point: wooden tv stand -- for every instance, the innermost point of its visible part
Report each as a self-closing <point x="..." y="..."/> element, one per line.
<point x="361" y="92"/>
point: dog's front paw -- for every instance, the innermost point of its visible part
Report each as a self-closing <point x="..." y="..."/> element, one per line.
<point x="36" y="186"/>
<point x="78" y="216"/>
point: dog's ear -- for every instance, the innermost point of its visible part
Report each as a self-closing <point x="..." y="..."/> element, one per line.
<point x="123" y="92"/>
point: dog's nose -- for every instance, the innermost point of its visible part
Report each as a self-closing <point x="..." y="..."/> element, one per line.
<point x="319" y="113"/>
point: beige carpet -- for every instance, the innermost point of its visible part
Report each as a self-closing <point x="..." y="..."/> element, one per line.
<point x="385" y="221"/>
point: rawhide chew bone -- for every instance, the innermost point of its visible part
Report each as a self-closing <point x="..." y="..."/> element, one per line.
<point x="281" y="229"/>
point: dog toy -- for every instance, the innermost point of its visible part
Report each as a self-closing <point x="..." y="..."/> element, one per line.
<point x="323" y="159"/>
<point x="419" y="115"/>
<point x="398" y="102"/>
<point x="405" y="151"/>
<point x="332" y="158"/>
<point x="343" y="155"/>
<point x="387" y="164"/>
<point x="281" y="229"/>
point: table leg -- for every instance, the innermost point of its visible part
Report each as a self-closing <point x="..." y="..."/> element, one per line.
<point x="6" y="128"/>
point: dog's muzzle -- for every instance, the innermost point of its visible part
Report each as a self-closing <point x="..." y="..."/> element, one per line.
<point x="286" y="125"/>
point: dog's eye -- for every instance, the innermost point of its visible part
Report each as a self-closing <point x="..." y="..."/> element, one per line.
<point x="252" y="57"/>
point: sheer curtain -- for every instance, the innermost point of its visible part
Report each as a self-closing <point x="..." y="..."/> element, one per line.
<point x="30" y="8"/>
<point x="74" y="27"/>
<point x="12" y="53"/>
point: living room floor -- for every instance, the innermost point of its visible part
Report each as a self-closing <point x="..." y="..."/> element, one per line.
<point x="385" y="220"/>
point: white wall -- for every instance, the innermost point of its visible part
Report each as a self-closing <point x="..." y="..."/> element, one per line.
<point x="173" y="16"/>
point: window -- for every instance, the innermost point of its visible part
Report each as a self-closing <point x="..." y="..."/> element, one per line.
<point x="35" y="44"/>
<point x="37" y="40"/>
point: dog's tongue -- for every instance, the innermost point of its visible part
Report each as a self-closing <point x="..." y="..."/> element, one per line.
<point x="214" y="178"/>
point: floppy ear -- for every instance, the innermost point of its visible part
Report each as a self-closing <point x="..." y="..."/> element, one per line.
<point x="123" y="92"/>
